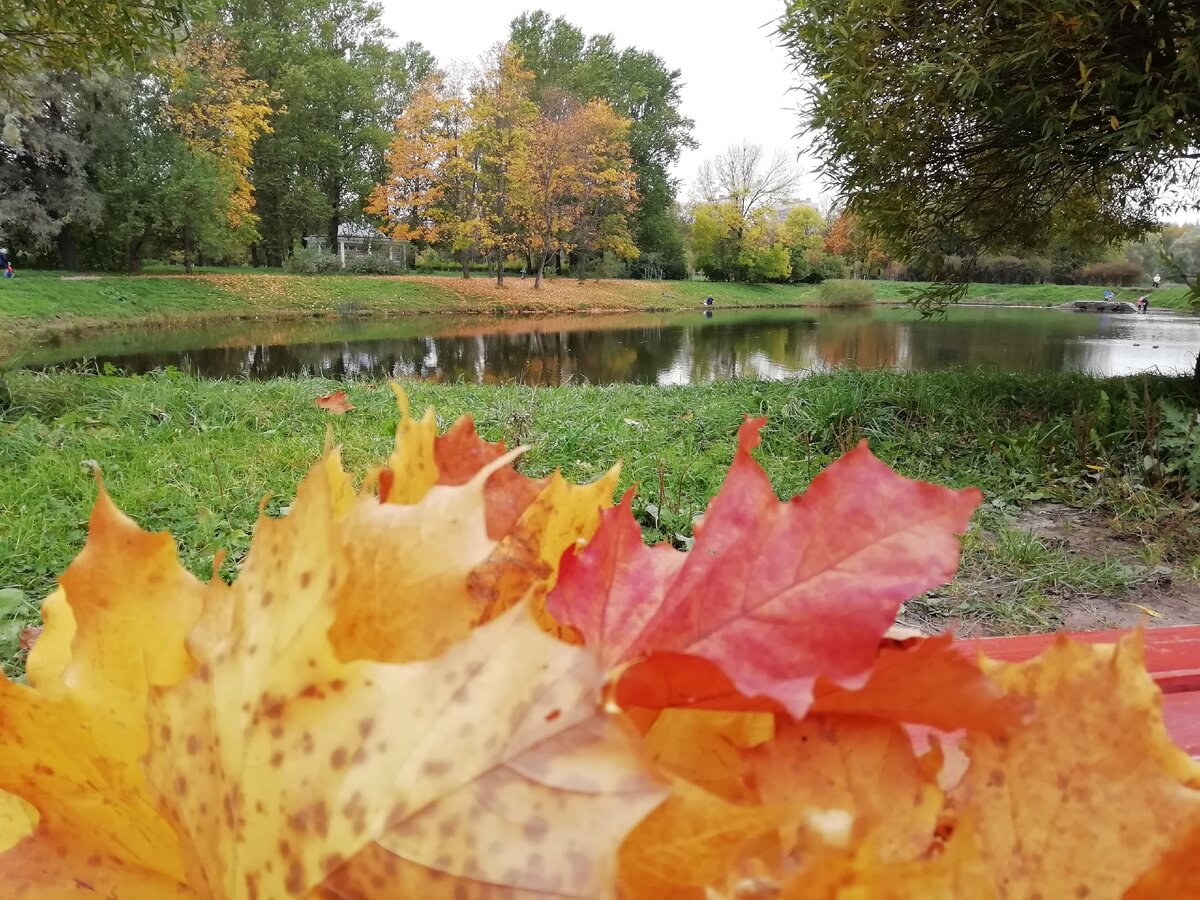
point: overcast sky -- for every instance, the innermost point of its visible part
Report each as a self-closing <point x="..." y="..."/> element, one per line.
<point x="735" y="77"/>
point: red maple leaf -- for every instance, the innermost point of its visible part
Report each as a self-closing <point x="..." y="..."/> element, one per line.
<point x="775" y="594"/>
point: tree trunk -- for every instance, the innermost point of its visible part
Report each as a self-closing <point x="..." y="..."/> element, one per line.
<point x="500" y="270"/>
<point x="334" y="224"/>
<point x="465" y="258"/>
<point x="537" y="279"/>
<point x="135" y="255"/>
<point x="68" y="249"/>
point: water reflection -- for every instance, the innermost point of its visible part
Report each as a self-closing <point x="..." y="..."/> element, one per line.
<point x="657" y="349"/>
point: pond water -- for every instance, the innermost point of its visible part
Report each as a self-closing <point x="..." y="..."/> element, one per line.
<point x="669" y="348"/>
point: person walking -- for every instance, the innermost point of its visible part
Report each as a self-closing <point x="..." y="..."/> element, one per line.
<point x="6" y="263"/>
<point x="1157" y="279"/>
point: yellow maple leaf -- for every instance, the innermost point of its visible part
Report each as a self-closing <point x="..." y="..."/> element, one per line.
<point x="273" y="767"/>
<point x="1090" y="791"/>
<point x="72" y="741"/>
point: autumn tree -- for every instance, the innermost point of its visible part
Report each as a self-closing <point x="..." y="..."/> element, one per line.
<point x="220" y="113"/>
<point x="431" y="191"/>
<point x="576" y="182"/>
<point x="502" y="117"/>
<point x="341" y="86"/>
<point x="640" y="87"/>
<point x="412" y="189"/>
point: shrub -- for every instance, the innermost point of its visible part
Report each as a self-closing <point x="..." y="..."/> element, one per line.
<point x="375" y="264"/>
<point x="840" y="292"/>
<point x="430" y="260"/>
<point x="1121" y="274"/>
<point x="311" y="262"/>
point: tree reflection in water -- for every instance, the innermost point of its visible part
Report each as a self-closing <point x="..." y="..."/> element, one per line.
<point x="655" y="349"/>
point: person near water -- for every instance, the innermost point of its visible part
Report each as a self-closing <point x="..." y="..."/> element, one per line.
<point x="1157" y="279"/>
<point x="1143" y="303"/>
<point x="708" y="301"/>
<point x="6" y="263"/>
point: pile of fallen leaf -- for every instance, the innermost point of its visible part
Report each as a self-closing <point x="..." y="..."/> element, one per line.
<point x="457" y="681"/>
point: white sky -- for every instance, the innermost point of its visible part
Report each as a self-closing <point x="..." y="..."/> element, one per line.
<point x="735" y="78"/>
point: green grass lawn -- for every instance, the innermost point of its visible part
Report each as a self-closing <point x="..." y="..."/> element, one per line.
<point x="196" y="457"/>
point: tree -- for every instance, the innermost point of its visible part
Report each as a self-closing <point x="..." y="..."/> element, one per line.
<point x="743" y="176"/>
<point x="431" y="191"/>
<point x="409" y="196"/>
<point x="220" y="113"/>
<point x="576" y="183"/>
<point x="80" y="36"/>
<point x="976" y="126"/>
<point x="340" y="88"/>
<point x="639" y="87"/>
<point x="46" y="194"/>
<point x="501" y="114"/>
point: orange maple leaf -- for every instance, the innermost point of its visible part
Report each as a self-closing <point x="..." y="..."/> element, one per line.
<point x="335" y="403"/>
<point x="775" y="594"/>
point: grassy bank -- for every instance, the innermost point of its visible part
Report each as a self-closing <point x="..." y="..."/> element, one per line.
<point x="40" y="303"/>
<point x="195" y="457"/>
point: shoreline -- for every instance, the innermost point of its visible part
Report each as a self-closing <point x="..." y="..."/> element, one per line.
<point x="21" y="336"/>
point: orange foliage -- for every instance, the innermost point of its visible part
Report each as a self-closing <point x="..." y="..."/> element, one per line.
<point x="391" y="701"/>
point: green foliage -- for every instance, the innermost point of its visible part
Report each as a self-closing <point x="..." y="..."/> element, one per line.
<point x="47" y="197"/>
<point x="340" y="87"/>
<point x="1178" y="446"/>
<point x="994" y="125"/>
<point x="846" y="293"/>
<point x="312" y="262"/>
<point x="374" y="264"/>
<point x="80" y="36"/>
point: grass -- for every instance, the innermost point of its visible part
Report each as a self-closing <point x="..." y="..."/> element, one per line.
<point x="39" y="304"/>
<point x="195" y="457"/>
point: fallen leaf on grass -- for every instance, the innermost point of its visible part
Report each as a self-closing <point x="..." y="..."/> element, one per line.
<point x="335" y="403"/>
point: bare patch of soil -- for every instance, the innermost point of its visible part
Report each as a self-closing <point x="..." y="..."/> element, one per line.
<point x="997" y="597"/>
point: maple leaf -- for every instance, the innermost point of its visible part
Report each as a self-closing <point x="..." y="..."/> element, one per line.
<point x="315" y="760"/>
<point x="858" y="873"/>
<point x="1090" y="792"/>
<point x="510" y="532"/>
<point x="692" y="841"/>
<point x="915" y="680"/>
<point x="335" y="403"/>
<point x="708" y="748"/>
<point x="278" y="769"/>
<point x="776" y="594"/>
<point x="859" y="767"/>
<point x="72" y="741"/>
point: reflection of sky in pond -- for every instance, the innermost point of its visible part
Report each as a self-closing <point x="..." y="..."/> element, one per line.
<point x="675" y="348"/>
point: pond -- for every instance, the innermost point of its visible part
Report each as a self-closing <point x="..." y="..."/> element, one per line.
<point x="668" y="348"/>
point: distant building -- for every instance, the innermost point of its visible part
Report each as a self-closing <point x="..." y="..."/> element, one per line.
<point x="355" y="239"/>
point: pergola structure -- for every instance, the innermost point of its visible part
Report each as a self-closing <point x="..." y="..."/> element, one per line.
<point x="355" y="241"/>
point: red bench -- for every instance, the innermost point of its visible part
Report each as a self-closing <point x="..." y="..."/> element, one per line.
<point x="1172" y="658"/>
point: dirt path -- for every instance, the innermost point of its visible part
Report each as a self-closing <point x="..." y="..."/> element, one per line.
<point x="1052" y="566"/>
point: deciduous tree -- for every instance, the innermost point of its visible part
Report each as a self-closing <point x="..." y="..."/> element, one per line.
<point x="974" y="125"/>
<point x="80" y="36"/>
<point x="501" y="114"/>
<point x="576" y="183"/>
